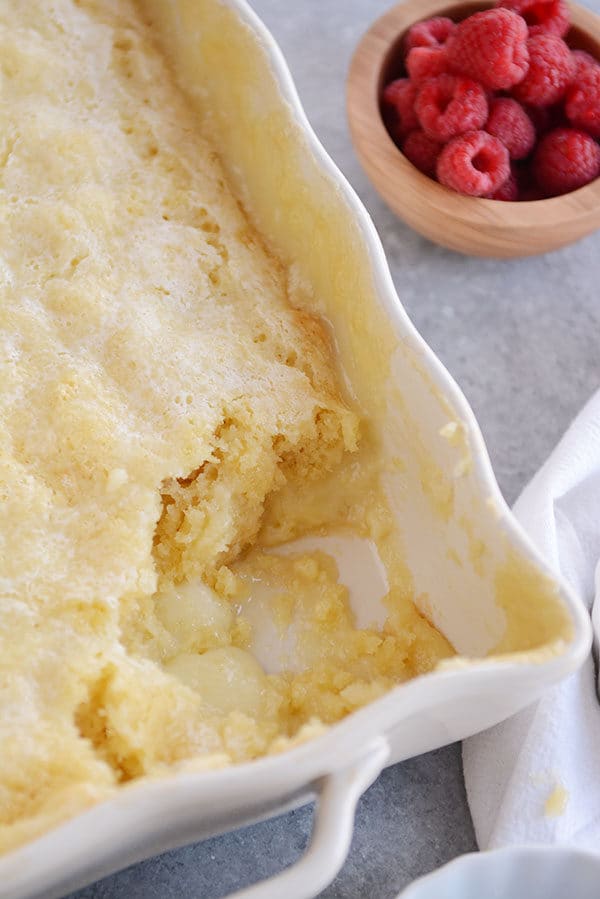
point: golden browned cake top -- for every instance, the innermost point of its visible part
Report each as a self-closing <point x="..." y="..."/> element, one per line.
<point x="156" y="388"/>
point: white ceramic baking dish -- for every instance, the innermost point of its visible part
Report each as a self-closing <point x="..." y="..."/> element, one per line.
<point x="517" y="872"/>
<point x="472" y="569"/>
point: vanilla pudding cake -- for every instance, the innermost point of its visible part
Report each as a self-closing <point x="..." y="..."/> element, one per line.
<point x="170" y="415"/>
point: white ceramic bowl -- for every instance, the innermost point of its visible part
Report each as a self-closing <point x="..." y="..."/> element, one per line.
<point x="470" y="566"/>
<point x="519" y="873"/>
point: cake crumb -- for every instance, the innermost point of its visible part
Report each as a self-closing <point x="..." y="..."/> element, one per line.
<point x="556" y="803"/>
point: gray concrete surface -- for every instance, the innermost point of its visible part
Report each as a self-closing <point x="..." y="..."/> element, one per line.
<point x="523" y="340"/>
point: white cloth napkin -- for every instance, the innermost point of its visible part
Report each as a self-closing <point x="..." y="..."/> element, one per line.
<point x="513" y="769"/>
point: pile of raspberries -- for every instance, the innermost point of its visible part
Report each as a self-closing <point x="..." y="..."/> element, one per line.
<point x="498" y="106"/>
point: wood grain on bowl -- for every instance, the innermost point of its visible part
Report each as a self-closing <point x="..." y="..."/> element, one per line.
<point x="472" y="226"/>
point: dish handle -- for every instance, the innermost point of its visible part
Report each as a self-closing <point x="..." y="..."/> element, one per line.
<point x="337" y="797"/>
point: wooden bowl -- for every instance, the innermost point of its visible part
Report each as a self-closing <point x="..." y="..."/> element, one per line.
<point x="472" y="226"/>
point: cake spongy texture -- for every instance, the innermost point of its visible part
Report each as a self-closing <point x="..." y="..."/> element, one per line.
<point x="491" y="48"/>
<point x="165" y="398"/>
<point x="145" y="333"/>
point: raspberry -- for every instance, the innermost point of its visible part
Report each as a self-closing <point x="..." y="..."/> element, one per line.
<point x="449" y="105"/>
<point x="510" y="123"/>
<point x="475" y="164"/>
<point x="523" y="172"/>
<point x="550" y="71"/>
<point x="566" y="160"/>
<point x="398" y="108"/>
<point x="422" y="151"/>
<point x="509" y="192"/>
<point x="582" y="61"/>
<point x="431" y="33"/>
<point x="583" y="101"/>
<point x="532" y="194"/>
<point x="542" y="16"/>
<point x="541" y="118"/>
<point x="425" y="62"/>
<point x="490" y="47"/>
